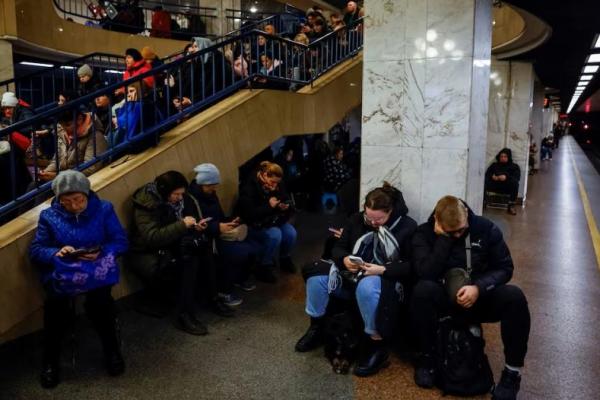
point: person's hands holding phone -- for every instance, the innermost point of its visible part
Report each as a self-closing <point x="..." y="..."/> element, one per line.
<point x="274" y="202"/>
<point x="372" y="269"/>
<point x="89" y="256"/>
<point x="189" y="222"/>
<point x="64" y="251"/>
<point x="283" y="206"/>
<point x="202" y="224"/>
<point x="352" y="266"/>
<point x="337" y="233"/>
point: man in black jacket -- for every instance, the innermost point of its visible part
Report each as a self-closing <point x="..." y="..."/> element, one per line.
<point x="503" y="177"/>
<point x="440" y="245"/>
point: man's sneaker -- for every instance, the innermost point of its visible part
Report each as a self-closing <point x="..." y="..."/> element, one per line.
<point x="425" y="372"/>
<point x="246" y="286"/>
<point x="230" y="299"/>
<point x="508" y="387"/>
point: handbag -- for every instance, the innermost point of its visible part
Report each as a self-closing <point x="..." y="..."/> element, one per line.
<point x="4" y="147"/>
<point x="71" y="277"/>
<point x="237" y="234"/>
<point x="455" y="278"/>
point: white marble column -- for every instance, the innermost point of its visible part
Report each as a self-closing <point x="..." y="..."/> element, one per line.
<point x="425" y="99"/>
<point x="510" y="105"/>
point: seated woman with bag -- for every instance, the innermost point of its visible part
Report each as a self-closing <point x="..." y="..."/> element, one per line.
<point x="235" y="252"/>
<point x="76" y="245"/>
<point x="168" y="233"/>
<point x="266" y="207"/>
<point x="370" y="263"/>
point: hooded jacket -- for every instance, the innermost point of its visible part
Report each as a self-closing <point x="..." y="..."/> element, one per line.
<point x="491" y="262"/>
<point x="210" y="206"/>
<point x="138" y="68"/>
<point x="356" y="227"/>
<point x="510" y="169"/>
<point x="97" y="225"/>
<point x="253" y="205"/>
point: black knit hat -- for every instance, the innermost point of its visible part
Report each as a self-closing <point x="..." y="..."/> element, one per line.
<point x="134" y="53"/>
<point x="168" y="182"/>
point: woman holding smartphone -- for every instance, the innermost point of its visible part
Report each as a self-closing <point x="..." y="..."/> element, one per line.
<point x="370" y="263"/>
<point x="76" y="245"/>
<point x="168" y="235"/>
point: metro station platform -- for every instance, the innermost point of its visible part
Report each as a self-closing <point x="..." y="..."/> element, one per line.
<point x="555" y="245"/>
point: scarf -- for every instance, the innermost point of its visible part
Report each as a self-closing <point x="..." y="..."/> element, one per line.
<point x="176" y="207"/>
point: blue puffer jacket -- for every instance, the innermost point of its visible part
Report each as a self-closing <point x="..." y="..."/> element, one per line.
<point x="98" y="225"/>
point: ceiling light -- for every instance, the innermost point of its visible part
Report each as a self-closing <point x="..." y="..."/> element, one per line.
<point x="112" y="71"/>
<point x="35" y="64"/>
<point x="253" y="9"/>
<point x="67" y="67"/>
<point x="593" y="58"/>
<point x="583" y="83"/>
<point x="586" y="77"/>
<point x="597" y="41"/>
<point x="590" y="69"/>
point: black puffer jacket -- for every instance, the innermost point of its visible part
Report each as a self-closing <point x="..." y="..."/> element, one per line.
<point x="253" y="205"/>
<point x="433" y="254"/>
<point x="510" y="169"/>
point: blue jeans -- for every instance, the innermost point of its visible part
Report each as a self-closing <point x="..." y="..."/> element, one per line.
<point x="271" y="239"/>
<point x="367" y="295"/>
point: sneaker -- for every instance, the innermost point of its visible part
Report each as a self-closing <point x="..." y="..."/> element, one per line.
<point x="508" y="387"/>
<point x="246" y="286"/>
<point x="230" y="299"/>
<point x="425" y="372"/>
<point x="218" y="307"/>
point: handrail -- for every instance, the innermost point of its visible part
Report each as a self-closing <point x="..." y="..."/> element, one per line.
<point x="204" y="13"/>
<point x="299" y="64"/>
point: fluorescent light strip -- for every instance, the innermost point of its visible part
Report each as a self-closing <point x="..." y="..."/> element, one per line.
<point x="586" y="77"/>
<point x="590" y="69"/>
<point x="113" y="71"/>
<point x="597" y="44"/>
<point x="593" y="59"/>
<point x="35" y="64"/>
<point x="67" y="67"/>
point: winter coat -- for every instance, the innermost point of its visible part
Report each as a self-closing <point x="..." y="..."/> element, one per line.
<point x="211" y="207"/>
<point x="97" y="225"/>
<point x="90" y="86"/>
<point x="398" y="271"/>
<point x="336" y="174"/>
<point x="491" y="262"/>
<point x="156" y="229"/>
<point x="139" y="68"/>
<point x="510" y="169"/>
<point x="69" y="155"/>
<point x="253" y="205"/>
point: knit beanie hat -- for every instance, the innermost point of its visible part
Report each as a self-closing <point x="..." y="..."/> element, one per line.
<point x="135" y="54"/>
<point x="85" y="70"/>
<point x="70" y="181"/>
<point x="168" y="182"/>
<point x="207" y="174"/>
<point x="148" y="53"/>
<point x="9" y="100"/>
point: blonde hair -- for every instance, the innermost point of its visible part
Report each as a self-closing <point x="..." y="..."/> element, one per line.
<point x="451" y="213"/>
<point x="271" y="169"/>
<point x="301" y="38"/>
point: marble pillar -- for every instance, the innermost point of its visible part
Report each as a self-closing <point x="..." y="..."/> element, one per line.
<point x="425" y="99"/>
<point x="510" y="106"/>
<point x="6" y="63"/>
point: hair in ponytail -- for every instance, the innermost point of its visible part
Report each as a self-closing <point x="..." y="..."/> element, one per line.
<point x="383" y="198"/>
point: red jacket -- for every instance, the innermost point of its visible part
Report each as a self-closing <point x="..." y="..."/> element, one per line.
<point x="139" y="68"/>
<point x="161" y="24"/>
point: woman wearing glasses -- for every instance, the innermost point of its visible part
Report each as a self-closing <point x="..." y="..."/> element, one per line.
<point x="370" y="261"/>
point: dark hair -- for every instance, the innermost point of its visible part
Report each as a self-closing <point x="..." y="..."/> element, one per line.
<point x="134" y="53"/>
<point x="66" y="118"/>
<point x="168" y="182"/>
<point x="383" y="198"/>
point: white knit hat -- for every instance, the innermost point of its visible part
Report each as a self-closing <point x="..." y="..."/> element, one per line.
<point x="9" y="100"/>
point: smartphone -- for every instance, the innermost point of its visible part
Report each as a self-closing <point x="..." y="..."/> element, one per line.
<point x="84" y="250"/>
<point x="203" y="221"/>
<point x="356" y="260"/>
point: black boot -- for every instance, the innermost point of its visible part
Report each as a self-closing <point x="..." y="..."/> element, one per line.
<point x="425" y="371"/>
<point x="115" y="364"/>
<point x="508" y="387"/>
<point x="313" y="337"/>
<point x="111" y="343"/>
<point x="286" y="265"/>
<point x="375" y="358"/>
<point x="50" y="376"/>
<point x="264" y="273"/>
<point x="187" y="323"/>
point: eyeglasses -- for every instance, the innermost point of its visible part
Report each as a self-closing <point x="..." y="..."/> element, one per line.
<point x="379" y="220"/>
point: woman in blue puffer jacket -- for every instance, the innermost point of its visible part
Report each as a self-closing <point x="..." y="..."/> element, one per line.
<point x="76" y="245"/>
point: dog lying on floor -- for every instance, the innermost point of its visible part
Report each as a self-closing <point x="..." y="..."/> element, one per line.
<point x="341" y="342"/>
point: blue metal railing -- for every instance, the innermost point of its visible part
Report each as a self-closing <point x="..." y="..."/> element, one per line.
<point x="181" y="88"/>
<point x="136" y="19"/>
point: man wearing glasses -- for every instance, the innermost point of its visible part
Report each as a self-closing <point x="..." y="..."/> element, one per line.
<point x="442" y="244"/>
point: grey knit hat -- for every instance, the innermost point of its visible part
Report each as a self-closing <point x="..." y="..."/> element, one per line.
<point x="70" y="181"/>
<point x="207" y="174"/>
<point x="85" y="70"/>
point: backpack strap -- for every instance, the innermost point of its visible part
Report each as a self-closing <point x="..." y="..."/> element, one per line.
<point x="468" y="251"/>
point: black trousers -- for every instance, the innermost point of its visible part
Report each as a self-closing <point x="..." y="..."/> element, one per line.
<point x="506" y="187"/>
<point x="506" y="304"/>
<point x="58" y="315"/>
<point x="198" y="270"/>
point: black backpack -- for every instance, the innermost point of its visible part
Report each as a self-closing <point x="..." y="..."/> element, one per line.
<point x="463" y="368"/>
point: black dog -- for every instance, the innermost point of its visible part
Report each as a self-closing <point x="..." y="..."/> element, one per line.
<point x="341" y="342"/>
